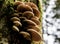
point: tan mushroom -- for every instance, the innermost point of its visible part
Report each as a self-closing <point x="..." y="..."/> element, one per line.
<point x="35" y="17"/>
<point x="33" y="5"/>
<point x="35" y="35"/>
<point x="36" y="12"/>
<point x="15" y="19"/>
<point x="28" y="14"/>
<point x="26" y="35"/>
<point x="17" y="23"/>
<point x="33" y="27"/>
<point x="23" y="8"/>
<point x="15" y="28"/>
<point x="29" y="22"/>
<point x="17" y="3"/>
<point x="15" y="15"/>
<point x="36" y="21"/>
<point x="20" y="14"/>
<point x="22" y="18"/>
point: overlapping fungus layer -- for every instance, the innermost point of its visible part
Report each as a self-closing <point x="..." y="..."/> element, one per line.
<point x="25" y="22"/>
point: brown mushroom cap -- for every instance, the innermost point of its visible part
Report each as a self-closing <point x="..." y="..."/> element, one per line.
<point x="26" y="35"/>
<point x="20" y="14"/>
<point x="23" y="8"/>
<point x="33" y="27"/>
<point x="36" y="12"/>
<point x="17" y="23"/>
<point x="36" y="21"/>
<point x="35" y="35"/>
<point x="15" y="15"/>
<point x="22" y="18"/>
<point x="35" y="17"/>
<point x="17" y="3"/>
<point x="33" y="5"/>
<point x="15" y="19"/>
<point x="15" y="28"/>
<point x="29" y="22"/>
<point x="28" y="14"/>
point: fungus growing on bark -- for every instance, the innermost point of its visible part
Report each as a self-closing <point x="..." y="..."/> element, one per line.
<point x="28" y="14"/>
<point x="23" y="8"/>
<point x="35" y="35"/>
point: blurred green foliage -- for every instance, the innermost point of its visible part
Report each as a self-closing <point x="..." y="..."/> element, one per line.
<point x="57" y="8"/>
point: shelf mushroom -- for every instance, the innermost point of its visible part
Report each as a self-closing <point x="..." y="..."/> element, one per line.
<point x="15" y="19"/>
<point x="26" y="35"/>
<point x="31" y="4"/>
<point x="23" y="8"/>
<point x="28" y="14"/>
<point x="17" y="23"/>
<point x="35" y="35"/>
<point x="15" y="28"/>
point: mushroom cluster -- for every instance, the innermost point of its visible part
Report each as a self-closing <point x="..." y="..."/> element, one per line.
<point x="25" y="20"/>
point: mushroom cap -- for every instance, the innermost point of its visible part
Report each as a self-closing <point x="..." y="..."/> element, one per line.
<point x="26" y="35"/>
<point x="20" y="14"/>
<point x="28" y="14"/>
<point x="17" y="3"/>
<point x="33" y="27"/>
<point x="36" y="21"/>
<point x="17" y="23"/>
<point x="22" y="19"/>
<point x="15" y="19"/>
<point x="36" y="12"/>
<point x="29" y="23"/>
<point x="23" y="8"/>
<point x="15" y="28"/>
<point x="33" y="5"/>
<point x="35" y="17"/>
<point x="35" y="35"/>
<point x="15" y="15"/>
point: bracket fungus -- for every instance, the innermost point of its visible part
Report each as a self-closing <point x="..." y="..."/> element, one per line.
<point x="15" y="28"/>
<point x="28" y="13"/>
<point x="23" y="8"/>
<point x="26" y="21"/>
<point x="35" y="35"/>
<point x="17" y="23"/>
